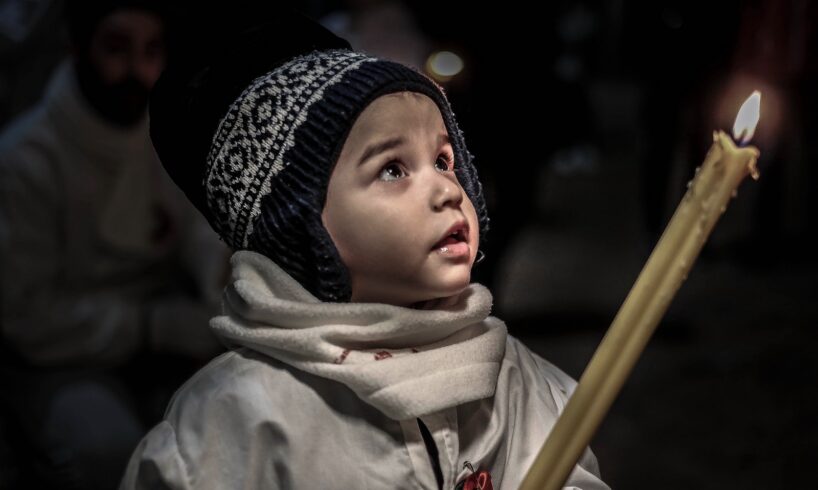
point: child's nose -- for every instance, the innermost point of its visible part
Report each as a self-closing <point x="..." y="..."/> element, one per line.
<point x="445" y="192"/>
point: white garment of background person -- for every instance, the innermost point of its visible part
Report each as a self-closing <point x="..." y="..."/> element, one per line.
<point x="101" y="254"/>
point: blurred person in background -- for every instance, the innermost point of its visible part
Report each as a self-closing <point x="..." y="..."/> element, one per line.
<point x="108" y="277"/>
<point x="383" y="28"/>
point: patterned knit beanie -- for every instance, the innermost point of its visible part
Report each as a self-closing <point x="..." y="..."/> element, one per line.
<point x="258" y="166"/>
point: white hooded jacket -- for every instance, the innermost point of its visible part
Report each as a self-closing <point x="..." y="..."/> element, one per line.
<point x="328" y="395"/>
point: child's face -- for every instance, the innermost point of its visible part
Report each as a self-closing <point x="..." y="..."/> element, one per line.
<point x="386" y="214"/>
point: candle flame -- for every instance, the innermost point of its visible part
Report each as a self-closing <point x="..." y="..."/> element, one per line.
<point x="747" y="118"/>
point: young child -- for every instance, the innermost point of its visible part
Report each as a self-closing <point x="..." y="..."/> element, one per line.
<point x="362" y="357"/>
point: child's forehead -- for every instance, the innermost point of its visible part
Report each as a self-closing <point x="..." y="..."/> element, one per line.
<point x="398" y="113"/>
<point x="393" y="122"/>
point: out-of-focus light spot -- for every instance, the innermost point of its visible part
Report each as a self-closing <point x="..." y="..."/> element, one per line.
<point x="444" y="65"/>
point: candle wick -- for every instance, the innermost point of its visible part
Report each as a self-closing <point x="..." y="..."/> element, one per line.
<point x="740" y="138"/>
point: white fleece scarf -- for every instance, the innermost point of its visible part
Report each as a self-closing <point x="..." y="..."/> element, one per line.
<point x="403" y="361"/>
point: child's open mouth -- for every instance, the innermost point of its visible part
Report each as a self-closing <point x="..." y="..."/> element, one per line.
<point x="455" y="242"/>
<point x="450" y="240"/>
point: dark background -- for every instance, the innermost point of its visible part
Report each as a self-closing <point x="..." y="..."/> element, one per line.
<point x="586" y="120"/>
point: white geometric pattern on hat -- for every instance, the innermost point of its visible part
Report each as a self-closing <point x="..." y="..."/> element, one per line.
<point x="251" y="140"/>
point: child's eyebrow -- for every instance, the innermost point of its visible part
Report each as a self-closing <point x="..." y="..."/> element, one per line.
<point x="391" y="143"/>
<point x="381" y="147"/>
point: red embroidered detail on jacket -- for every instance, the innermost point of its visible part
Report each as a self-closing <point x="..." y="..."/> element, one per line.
<point x="479" y="480"/>
<point x="340" y="359"/>
<point x="382" y="355"/>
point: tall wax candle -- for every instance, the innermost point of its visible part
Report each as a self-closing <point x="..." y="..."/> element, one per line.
<point x="715" y="182"/>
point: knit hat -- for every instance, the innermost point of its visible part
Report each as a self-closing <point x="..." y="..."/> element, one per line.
<point x="251" y="134"/>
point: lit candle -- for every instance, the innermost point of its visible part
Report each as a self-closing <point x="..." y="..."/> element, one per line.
<point x="715" y="182"/>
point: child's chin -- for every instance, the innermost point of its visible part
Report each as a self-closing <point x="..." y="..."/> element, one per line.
<point x="458" y="280"/>
<point x="454" y="287"/>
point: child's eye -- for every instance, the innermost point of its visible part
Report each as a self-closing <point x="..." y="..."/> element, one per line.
<point x="448" y="162"/>
<point x="392" y="171"/>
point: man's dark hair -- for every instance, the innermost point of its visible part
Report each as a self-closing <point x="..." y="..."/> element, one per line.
<point x="84" y="16"/>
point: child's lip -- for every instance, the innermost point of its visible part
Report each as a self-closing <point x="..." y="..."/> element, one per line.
<point x="461" y="225"/>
